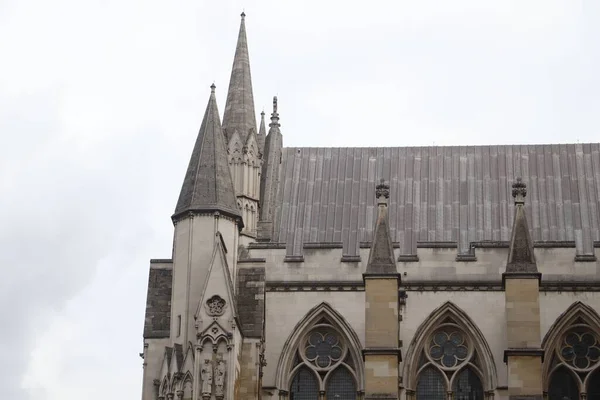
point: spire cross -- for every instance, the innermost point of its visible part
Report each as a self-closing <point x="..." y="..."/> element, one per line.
<point x="382" y="192"/>
<point x="519" y="191"/>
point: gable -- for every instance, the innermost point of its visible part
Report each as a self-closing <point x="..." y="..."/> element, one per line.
<point x="217" y="294"/>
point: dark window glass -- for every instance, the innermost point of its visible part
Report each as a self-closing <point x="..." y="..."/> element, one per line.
<point x="431" y="385"/>
<point x="563" y="386"/>
<point x="467" y="386"/>
<point x="340" y="385"/>
<point x="593" y="386"/>
<point x="304" y="386"/>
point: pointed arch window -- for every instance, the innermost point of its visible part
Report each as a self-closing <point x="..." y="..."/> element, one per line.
<point x="321" y="358"/>
<point x="323" y="364"/>
<point x="449" y="364"/>
<point x="575" y="364"/>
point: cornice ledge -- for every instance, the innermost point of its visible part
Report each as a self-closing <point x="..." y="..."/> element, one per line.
<point x="394" y="351"/>
<point x="516" y="352"/>
<point x="520" y="275"/>
<point x="252" y="260"/>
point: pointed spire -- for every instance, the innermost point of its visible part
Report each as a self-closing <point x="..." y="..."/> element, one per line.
<point x="207" y="185"/>
<point x="381" y="256"/>
<point x="239" y="110"/>
<point x="262" y="134"/>
<point x="521" y="258"/>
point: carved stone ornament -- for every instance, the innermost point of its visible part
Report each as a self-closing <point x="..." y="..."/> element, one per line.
<point x="207" y="378"/>
<point x="519" y="190"/>
<point x="383" y="189"/>
<point x="220" y="371"/>
<point x="215" y="306"/>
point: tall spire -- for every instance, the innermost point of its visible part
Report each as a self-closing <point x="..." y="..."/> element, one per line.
<point x="521" y="258"/>
<point x="381" y="256"/>
<point x="262" y="134"/>
<point x="239" y="110"/>
<point x="207" y="185"/>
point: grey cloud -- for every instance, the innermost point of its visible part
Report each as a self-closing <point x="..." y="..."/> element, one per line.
<point x="100" y="104"/>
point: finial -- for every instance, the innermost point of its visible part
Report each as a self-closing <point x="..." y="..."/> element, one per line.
<point x="382" y="192"/>
<point x="243" y="15"/>
<point x="519" y="191"/>
<point x="262" y="113"/>
<point x="274" y="104"/>
<point x="212" y="87"/>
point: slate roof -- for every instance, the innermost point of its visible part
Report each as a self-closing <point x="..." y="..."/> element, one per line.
<point x="438" y="194"/>
<point x="207" y="185"/>
<point x="239" y="109"/>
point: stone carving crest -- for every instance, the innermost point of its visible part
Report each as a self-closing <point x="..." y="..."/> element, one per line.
<point x="207" y="379"/>
<point x="383" y="189"/>
<point x="519" y="190"/>
<point x="215" y="306"/>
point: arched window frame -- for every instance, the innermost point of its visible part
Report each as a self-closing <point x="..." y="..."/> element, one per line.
<point x="449" y="315"/>
<point x="322" y="316"/>
<point x="577" y="316"/>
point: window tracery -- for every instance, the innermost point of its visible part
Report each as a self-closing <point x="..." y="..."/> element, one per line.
<point x="449" y="365"/>
<point x="575" y="364"/>
<point x="322" y="364"/>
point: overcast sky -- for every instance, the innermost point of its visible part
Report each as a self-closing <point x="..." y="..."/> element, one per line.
<point x="101" y="100"/>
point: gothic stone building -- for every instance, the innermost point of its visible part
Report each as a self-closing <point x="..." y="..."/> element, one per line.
<point x="429" y="273"/>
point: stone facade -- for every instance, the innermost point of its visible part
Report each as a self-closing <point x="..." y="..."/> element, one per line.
<point x="297" y="273"/>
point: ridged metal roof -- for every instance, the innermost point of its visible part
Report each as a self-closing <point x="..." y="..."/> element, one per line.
<point x="438" y="194"/>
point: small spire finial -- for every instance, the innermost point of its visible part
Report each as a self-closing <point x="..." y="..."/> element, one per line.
<point x="274" y="115"/>
<point x="212" y="87"/>
<point x="519" y="191"/>
<point x="262" y="113"/>
<point x="243" y="14"/>
<point x="382" y="192"/>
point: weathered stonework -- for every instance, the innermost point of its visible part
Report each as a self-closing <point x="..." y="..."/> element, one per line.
<point x="381" y="306"/>
<point x="274" y="244"/>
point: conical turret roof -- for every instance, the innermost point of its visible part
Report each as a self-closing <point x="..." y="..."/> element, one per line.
<point x="208" y="185"/>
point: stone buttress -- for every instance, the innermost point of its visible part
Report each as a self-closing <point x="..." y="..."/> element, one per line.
<point x="382" y="352"/>
<point x="521" y="282"/>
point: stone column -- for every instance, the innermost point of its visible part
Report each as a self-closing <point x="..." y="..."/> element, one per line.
<point x="521" y="280"/>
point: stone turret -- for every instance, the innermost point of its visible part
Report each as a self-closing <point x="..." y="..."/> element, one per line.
<point x="206" y="216"/>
